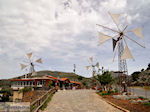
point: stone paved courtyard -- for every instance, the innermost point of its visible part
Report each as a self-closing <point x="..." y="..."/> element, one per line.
<point x="78" y="101"/>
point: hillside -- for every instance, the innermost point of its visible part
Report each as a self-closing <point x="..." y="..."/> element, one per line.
<point x="141" y="78"/>
<point x="58" y="74"/>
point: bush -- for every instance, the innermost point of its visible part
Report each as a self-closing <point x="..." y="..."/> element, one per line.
<point x="26" y="89"/>
<point x="142" y="98"/>
<point x="105" y="94"/>
<point x="146" y="104"/>
<point x="111" y="92"/>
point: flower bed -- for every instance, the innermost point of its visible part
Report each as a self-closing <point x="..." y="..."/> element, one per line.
<point x="127" y="104"/>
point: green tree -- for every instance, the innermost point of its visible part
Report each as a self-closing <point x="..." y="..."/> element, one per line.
<point x="148" y="68"/>
<point x="142" y="69"/>
<point x="135" y="75"/>
<point x="25" y="89"/>
<point x="105" y="80"/>
<point x="80" y="78"/>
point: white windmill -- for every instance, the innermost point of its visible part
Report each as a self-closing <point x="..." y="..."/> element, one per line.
<point x="92" y="66"/>
<point x="119" y="40"/>
<point x="30" y="62"/>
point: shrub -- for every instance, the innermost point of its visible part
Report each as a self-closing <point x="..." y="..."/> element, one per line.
<point x="105" y="94"/>
<point x="26" y="89"/>
<point x="146" y="104"/>
<point x="141" y="97"/>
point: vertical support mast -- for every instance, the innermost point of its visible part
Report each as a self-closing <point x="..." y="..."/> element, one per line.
<point x="122" y="65"/>
<point x="93" y="67"/>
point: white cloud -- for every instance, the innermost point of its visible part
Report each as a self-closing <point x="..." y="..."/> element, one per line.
<point x="61" y="31"/>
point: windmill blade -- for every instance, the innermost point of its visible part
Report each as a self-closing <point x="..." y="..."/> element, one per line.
<point x="126" y="54"/>
<point x="138" y="32"/>
<point x="104" y="38"/>
<point x="39" y="60"/>
<point x="29" y="55"/>
<point x="87" y="67"/>
<point x="107" y="28"/>
<point x="114" y="43"/>
<point x="115" y="51"/>
<point x="115" y="17"/>
<point x="23" y="66"/>
<point x="91" y="59"/>
<point x="97" y="65"/>
<point x="134" y="41"/>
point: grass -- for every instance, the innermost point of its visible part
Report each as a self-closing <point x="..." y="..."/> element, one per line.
<point x="105" y="93"/>
<point x="46" y="102"/>
<point x="146" y="104"/>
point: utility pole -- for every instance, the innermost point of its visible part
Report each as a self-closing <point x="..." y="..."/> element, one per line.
<point x="74" y="68"/>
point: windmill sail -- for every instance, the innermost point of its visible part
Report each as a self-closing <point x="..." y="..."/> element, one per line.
<point x="138" y="32"/>
<point x="29" y="55"/>
<point x="91" y="59"/>
<point x="104" y="38"/>
<point x="126" y="54"/>
<point x="115" y="17"/>
<point x="87" y="67"/>
<point x="39" y="60"/>
<point x="97" y="65"/>
<point x="23" y="66"/>
<point x="114" y="43"/>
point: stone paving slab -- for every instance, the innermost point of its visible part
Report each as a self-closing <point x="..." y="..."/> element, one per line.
<point x="78" y="101"/>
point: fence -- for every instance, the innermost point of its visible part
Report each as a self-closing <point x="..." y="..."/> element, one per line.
<point x="36" y="105"/>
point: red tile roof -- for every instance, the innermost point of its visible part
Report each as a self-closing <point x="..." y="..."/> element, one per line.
<point x="74" y="82"/>
<point x="64" y="79"/>
<point x="52" y="77"/>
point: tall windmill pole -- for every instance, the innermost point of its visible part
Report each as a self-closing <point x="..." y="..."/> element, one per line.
<point x="122" y="65"/>
<point x="93" y="70"/>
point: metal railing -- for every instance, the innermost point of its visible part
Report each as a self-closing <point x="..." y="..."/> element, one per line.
<point x="37" y="104"/>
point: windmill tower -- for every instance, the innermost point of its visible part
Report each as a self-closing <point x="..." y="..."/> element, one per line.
<point x="30" y="62"/>
<point x="119" y="41"/>
<point x="92" y="66"/>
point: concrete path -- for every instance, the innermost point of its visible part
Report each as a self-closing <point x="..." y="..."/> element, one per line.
<point x="78" y="101"/>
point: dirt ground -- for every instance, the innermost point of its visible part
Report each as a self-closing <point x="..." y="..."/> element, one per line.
<point x="127" y="104"/>
<point x="32" y="95"/>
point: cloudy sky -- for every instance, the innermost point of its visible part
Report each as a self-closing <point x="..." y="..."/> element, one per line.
<point x="64" y="32"/>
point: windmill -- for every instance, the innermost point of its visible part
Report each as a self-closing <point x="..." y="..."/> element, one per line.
<point x="92" y="66"/>
<point x="30" y="62"/>
<point x="119" y="40"/>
